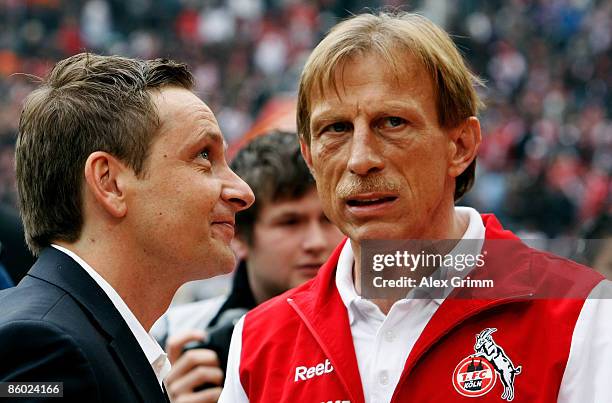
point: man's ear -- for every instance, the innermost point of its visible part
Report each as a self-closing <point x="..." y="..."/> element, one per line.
<point x="305" y="148"/>
<point x="465" y="141"/>
<point x="105" y="179"/>
<point x="240" y="248"/>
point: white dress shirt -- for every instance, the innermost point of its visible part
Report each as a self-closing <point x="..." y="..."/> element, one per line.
<point x="154" y="353"/>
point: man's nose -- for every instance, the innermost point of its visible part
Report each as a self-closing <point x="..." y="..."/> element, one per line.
<point x="237" y="193"/>
<point x="365" y="157"/>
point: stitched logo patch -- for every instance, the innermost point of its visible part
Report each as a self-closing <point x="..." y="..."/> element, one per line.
<point x="476" y="374"/>
<point x="474" y="377"/>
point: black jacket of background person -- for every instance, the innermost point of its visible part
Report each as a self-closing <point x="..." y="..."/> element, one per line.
<point x="241" y="295"/>
<point x="240" y="298"/>
<point x="57" y="324"/>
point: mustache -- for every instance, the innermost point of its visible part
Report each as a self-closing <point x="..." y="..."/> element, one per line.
<point x="355" y="185"/>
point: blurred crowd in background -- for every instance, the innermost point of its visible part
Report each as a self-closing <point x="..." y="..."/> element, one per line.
<point x="546" y="158"/>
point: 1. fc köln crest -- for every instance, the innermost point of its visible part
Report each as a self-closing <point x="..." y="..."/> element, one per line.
<point x="477" y="374"/>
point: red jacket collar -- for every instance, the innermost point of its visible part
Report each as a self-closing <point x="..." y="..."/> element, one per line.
<point x="319" y="305"/>
<point x="323" y="287"/>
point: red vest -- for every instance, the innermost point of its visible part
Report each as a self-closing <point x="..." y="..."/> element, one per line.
<point x="298" y="347"/>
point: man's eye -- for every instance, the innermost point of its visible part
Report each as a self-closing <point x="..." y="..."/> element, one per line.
<point x="289" y="222"/>
<point x="205" y="154"/>
<point x="392" y="121"/>
<point x="338" y="127"/>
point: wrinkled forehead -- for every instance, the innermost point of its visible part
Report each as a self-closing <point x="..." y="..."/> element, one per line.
<point x="399" y="66"/>
<point x="403" y="73"/>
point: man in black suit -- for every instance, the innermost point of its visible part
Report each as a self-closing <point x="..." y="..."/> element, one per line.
<point x="125" y="194"/>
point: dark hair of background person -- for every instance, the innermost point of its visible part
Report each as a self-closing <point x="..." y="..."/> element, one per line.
<point x="272" y="165"/>
<point x="87" y="103"/>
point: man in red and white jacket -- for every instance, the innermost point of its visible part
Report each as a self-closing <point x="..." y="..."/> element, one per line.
<point x="386" y="117"/>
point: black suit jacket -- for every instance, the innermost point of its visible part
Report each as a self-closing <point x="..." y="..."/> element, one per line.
<point x="57" y="324"/>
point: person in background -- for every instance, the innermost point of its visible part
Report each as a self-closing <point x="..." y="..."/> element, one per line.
<point x="125" y="195"/>
<point x="281" y="242"/>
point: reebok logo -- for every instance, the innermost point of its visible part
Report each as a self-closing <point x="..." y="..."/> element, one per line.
<point x="304" y="373"/>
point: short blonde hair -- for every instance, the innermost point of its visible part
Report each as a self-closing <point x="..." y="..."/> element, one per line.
<point x="393" y="36"/>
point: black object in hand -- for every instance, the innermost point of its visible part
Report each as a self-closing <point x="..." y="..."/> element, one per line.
<point x="218" y="339"/>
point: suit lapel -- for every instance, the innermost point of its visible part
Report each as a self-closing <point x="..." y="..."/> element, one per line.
<point x="130" y="355"/>
<point x="165" y="393"/>
<point x="55" y="267"/>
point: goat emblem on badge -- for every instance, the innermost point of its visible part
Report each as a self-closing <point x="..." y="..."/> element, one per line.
<point x="477" y="374"/>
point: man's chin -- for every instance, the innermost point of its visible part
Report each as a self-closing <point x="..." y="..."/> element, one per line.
<point x="227" y="262"/>
<point x="373" y="230"/>
<point x="223" y="263"/>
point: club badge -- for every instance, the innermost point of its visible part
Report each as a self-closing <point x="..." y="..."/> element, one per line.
<point x="477" y="374"/>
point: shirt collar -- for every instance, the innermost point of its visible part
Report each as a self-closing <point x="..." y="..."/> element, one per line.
<point x="154" y="353"/>
<point x="344" y="271"/>
<point x="470" y="244"/>
<point x="344" y="279"/>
